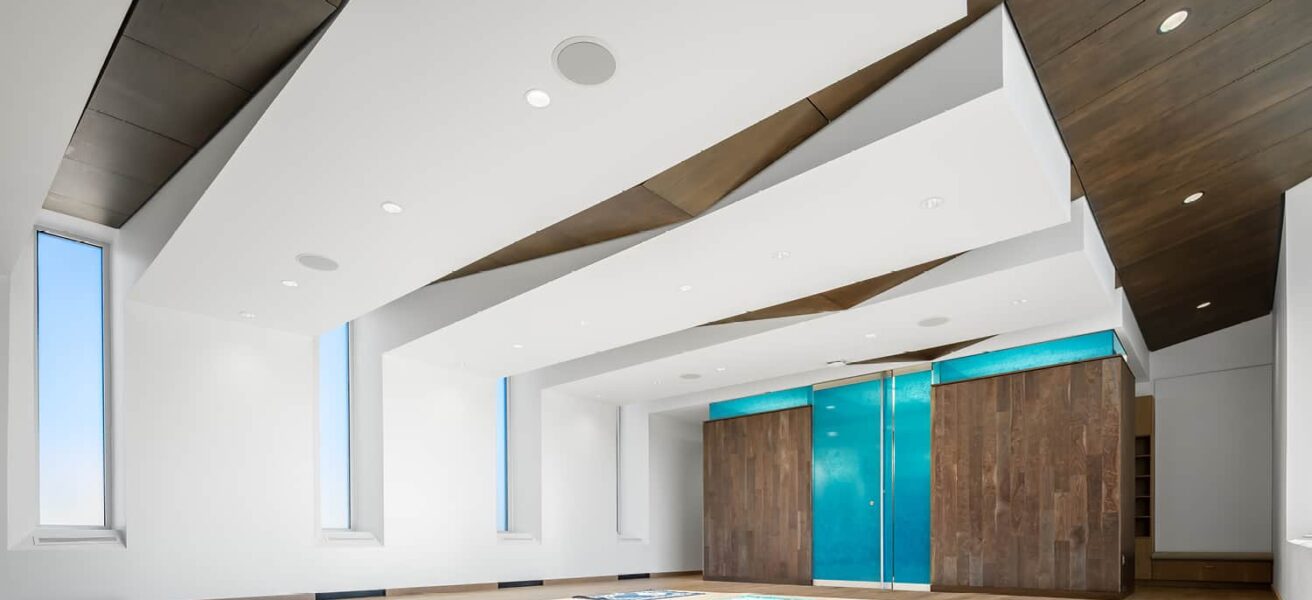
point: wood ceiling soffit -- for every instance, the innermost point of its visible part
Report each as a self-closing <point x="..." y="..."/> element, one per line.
<point x="1048" y="32"/>
<point x="842" y="298"/>
<point x="839" y="97"/>
<point x="923" y="355"/>
<point x="697" y="183"/>
<point x="1083" y="73"/>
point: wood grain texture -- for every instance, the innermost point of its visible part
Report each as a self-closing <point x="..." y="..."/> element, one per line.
<point x="1222" y="105"/>
<point x="1032" y="482"/>
<point x="757" y="497"/>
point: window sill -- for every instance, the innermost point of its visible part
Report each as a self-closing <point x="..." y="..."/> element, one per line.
<point x="53" y="538"/>
<point x="348" y="539"/>
<point x="516" y="537"/>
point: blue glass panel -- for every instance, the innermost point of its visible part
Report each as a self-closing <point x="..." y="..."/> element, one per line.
<point x="1033" y="356"/>
<point x="910" y="497"/>
<point x="845" y="482"/>
<point x="761" y="403"/>
<point x="503" y="399"/>
<point x="70" y="326"/>
<point x="335" y="429"/>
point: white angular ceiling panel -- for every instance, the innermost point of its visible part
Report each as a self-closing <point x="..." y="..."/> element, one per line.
<point x="423" y="104"/>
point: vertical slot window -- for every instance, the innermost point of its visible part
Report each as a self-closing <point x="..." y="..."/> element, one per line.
<point x="335" y="429"/>
<point x="503" y="447"/>
<point x="70" y="332"/>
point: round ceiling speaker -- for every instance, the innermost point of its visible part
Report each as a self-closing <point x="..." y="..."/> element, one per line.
<point x="316" y="262"/>
<point x="584" y="61"/>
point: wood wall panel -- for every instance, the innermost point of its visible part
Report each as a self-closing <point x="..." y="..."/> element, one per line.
<point x="1032" y="480"/>
<point x="757" y="497"/>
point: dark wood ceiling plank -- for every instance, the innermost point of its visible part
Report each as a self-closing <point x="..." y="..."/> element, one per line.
<point x="1083" y="72"/>
<point x="117" y="195"/>
<point x="1233" y="302"/>
<point x="854" y="294"/>
<point x="86" y="211"/>
<point x="1135" y="230"/>
<point x="841" y="96"/>
<point x="1077" y="187"/>
<point x="923" y="355"/>
<point x="126" y="149"/>
<point x="242" y="42"/>
<point x="634" y="210"/>
<point x="1166" y="173"/>
<point x="1049" y="28"/>
<point x="697" y="183"/>
<point x="1097" y="134"/>
<point x="158" y="92"/>
<point x="1198" y="269"/>
<point x="809" y="305"/>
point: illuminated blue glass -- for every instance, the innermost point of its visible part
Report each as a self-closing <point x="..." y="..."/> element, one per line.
<point x="845" y="471"/>
<point x="1044" y="354"/>
<point x="335" y="429"/>
<point x="760" y="403"/>
<point x="70" y="327"/>
<point x="911" y="479"/>
<point x="503" y="409"/>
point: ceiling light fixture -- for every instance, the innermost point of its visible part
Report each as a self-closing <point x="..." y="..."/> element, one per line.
<point x="1204" y="305"/>
<point x="1192" y="198"/>
<point x="245" y="314"/>
<point x="685" y="288"/>
<point x="1019" y="301"/>
<point x="290" y="283"/>
<point x="720" y="369"/>
<point x="872" y="335"/>
<point x="537" y="98"/>
<point x="1173" y="21"/>
<point x="583" y="323"/>
<point x="517" y="346"/>
<point x="391" y="208"/>
<point x="931" y="203"/>
<point x="782" y="254"/>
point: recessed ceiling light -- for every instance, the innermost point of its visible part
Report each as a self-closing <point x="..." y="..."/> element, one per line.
<point x="391" y="208"/>
<point x="685" y="288"/>
<point x="517" y="346"/>
<point x="1204" y="305"/>
<point x="1019" y="301"/>
<point x="782" y="254"/>
<point x="720" y="369"/>
<point x="245" y="314"/>
<point x="931" y="203"/>
<point x="537" y="98"/>
<point x="933" y="321"/>
<point x="690" y="376"/>
<point x="583" y="323"/>
<point x="1192" y="198"/>
<point x="836" y="363"/>
<point x="316" y="262"/>
<point x="290" y="283"/>
<point x="872" y="335"/>
<point x="1172" y="21"/>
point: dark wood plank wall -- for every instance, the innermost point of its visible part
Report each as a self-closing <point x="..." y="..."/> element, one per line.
<point x="757" y="497"/>
<point x="1032" y="481"/>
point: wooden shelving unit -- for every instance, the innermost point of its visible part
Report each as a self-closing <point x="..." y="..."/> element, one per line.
<point x="1143" y="487"/>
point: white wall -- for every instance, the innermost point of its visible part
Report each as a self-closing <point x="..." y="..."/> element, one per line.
<point x="219" y="458"/>
<point x="1293" y="407"/>
<point x="1213" y="463"/>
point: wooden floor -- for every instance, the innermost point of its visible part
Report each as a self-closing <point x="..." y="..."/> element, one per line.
<point x="695" y="583"/>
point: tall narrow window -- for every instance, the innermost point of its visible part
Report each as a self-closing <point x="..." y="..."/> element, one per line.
<point x="335" y="429"/>
<point x="70" y="327"/>
<point x="503" y="447"/>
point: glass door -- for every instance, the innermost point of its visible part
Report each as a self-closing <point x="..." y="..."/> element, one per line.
<point x="847" y="467"/>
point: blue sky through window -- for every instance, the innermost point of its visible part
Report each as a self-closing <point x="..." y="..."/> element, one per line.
<point x="71" y="381"/>
<point x="335" y="429"/>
